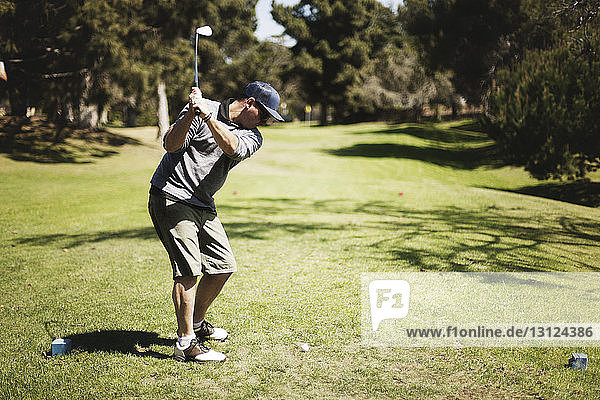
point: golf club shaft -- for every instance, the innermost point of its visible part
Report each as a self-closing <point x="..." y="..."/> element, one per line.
<point x="196" y="67"/>
<point x="196" y="61"/>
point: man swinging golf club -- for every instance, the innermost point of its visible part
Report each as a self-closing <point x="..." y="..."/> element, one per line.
<point x="203" y="144"/>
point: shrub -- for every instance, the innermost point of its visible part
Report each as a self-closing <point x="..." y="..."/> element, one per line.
<point x="545" y="113"/>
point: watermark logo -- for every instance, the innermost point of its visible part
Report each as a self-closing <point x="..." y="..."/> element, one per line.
<point x="488" y="309"/>
<point x="389" y="300"/>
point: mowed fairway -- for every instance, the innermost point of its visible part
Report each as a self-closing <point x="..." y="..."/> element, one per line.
<point x="307" y="215"/>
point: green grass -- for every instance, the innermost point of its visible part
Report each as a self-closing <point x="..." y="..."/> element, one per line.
<point x="307" y="215"/>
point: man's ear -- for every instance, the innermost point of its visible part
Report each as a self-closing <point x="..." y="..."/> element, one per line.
<point x="250" y="101"/>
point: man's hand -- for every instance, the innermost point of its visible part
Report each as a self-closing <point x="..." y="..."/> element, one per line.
<point x="176" y="135"/>
<point x="197" y="103"/>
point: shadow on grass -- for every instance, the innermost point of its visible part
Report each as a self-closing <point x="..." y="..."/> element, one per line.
<point x="37" y="140"/>
<point x="135" y="343"/>
<point x="446" y="147"/>
<point x="458" y="158"/>
<point x="468" y="132"/>
<point x="491" y="240"/>
<point x="451" y="147"/>
<point x="583" y="193"/>
<point x="445" y="238"/>
<point x="66" y="240"/>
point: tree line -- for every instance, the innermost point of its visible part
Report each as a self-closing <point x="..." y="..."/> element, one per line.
<point x="532" y="65"/>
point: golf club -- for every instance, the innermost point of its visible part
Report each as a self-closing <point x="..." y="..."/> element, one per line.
<point x="201" y="31"/>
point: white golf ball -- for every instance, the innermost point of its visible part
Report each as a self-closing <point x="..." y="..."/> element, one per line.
<point x="304" y="347"/>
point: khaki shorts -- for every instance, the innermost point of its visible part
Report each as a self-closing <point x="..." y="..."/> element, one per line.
<point x="194" y="238"/>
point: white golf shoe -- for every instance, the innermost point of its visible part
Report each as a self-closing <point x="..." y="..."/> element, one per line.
<point x="209" y="332"/>
<point x="198" y="352"/>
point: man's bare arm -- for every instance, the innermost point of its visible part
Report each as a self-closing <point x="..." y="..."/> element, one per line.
<point x="177" y="133"/>
<point x="226" y="140"/>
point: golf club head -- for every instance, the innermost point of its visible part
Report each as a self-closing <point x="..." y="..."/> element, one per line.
<point x="204" y="31"/>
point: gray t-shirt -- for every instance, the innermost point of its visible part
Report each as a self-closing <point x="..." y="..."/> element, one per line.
<point x="194" y="173"/>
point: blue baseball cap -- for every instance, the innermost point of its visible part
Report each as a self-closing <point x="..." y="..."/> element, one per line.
<point x="266" y="96"/>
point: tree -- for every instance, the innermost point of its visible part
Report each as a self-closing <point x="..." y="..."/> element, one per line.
<point x="545" y="114"/>
<point x="334" y="41"/>
<point x="467" y="37"/>
<point x="396" y="82"/>
<point x="545" y="111"/>
<point x="158" y="49"/>
<point x="76" y="58"/>
<point x="26" y="46"/>
<point x="580" y="16"/>
<point x="473" y="39"/>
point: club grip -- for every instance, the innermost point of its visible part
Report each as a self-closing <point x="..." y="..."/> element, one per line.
<point x="196" y="111"/>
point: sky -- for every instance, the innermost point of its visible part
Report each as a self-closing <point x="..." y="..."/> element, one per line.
<point x="267" y="27"/>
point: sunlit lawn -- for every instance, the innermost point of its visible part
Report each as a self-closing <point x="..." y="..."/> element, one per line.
<point x="307" y="215"/>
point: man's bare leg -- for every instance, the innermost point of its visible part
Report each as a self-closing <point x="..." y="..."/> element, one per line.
<point x="208" y="289"/>
<point x="186" y="348"/>
<point x="183" y="298"/>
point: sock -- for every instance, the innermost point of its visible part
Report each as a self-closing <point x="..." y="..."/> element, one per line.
<point x="197" y="325"/>
<point x="184" y="341"/>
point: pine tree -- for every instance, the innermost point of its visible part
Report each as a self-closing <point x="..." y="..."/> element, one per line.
<point x="395" y="82"/>
<point x="467" y="37"/>
<point x="545" y="113"/>
<point x="76" y="58"/>
<point x="334" y="41"/>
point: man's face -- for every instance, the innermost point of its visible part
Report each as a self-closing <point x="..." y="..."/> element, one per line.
<point x="252" y="115"/>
